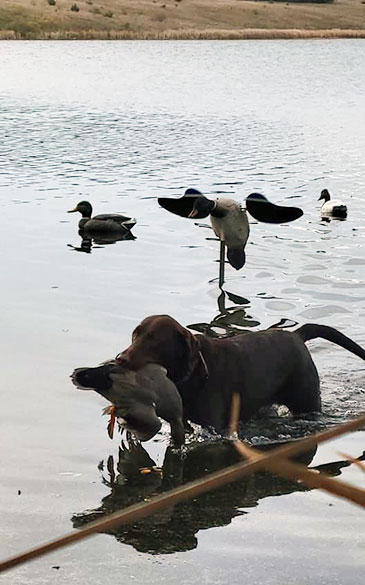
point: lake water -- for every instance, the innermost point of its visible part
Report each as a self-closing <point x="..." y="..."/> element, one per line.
<point x="119" y="124"/>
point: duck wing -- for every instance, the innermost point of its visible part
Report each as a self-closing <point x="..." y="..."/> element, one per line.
<point x="183" y="206"/>
<point x="118" y="218"/>
<point x="262" y="210"/>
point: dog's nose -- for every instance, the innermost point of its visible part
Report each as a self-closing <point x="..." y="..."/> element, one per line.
<point x="123" y="360"/>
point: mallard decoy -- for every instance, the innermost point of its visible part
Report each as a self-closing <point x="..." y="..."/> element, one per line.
<point x="230" y="224"/>
<point x="106" y="222"/>
<point x="229" y="219"/>
<point x="332" y="207"/>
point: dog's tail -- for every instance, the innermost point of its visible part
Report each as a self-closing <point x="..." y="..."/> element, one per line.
<point x="311" y="331"/>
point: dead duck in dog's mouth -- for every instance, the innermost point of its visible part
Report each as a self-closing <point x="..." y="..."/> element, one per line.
<point x="139" y="397"/>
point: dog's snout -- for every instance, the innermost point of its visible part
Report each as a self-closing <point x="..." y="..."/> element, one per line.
<point x="123" y="360"/>
<point x="131" y="359"/>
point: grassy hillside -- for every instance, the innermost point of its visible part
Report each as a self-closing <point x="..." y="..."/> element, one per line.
<point x="178" y="18"/>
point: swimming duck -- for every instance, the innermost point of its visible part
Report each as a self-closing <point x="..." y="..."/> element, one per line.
<point x="332" y="207"/>
<point x="106" y="222"/>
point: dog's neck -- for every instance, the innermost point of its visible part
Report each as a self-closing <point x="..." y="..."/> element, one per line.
<point x="199" y="361"/>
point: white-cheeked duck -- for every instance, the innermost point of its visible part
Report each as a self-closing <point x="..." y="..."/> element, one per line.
<point x="332" y="207"/>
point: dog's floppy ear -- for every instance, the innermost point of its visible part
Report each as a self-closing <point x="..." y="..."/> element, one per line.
<point x="189" y="354"/>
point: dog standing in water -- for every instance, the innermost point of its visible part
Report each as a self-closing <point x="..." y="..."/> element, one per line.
<point x="266" y="367"/>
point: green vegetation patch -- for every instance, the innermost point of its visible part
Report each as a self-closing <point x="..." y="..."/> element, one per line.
<point x="17" y="19"/>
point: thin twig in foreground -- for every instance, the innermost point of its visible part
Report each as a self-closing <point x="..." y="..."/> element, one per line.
<point x="294" y="471"/>
<point x="234" y="414"/>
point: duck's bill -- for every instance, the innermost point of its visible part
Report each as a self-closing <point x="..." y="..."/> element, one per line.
<point x="97" y="379"/>
<point x="262" y="210"/>
<point x="77" y="380"/>
<point x="72" y="210"/>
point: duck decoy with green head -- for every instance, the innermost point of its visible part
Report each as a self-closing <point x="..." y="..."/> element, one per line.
<point x="228" y="217"/>
<point x="106" y="222"/>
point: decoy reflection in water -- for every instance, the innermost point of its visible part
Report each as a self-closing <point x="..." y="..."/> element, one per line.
<point x="104" y="223"/>
<point x="234" y="320"/>
<point x="229" y="321"/>
<point x="332" y="208"/>
<point x="136" y="478"/>
<point x="229" y="219"/>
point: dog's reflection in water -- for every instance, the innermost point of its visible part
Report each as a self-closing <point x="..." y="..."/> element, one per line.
<point x="136" y="478"/>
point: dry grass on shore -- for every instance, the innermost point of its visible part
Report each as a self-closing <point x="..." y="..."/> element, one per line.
<point x="245" y="34"/>
<point x="179" y="19"/>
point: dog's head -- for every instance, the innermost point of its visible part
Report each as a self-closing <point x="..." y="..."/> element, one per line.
<point x="162" y="340"/>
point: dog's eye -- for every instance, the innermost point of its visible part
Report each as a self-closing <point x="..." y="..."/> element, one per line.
<point x="150" y="336"/>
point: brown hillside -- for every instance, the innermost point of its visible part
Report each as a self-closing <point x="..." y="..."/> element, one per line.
<point x="178" y="19"/>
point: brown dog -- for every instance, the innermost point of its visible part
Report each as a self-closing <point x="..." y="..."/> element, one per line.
<point x="265" y="367"/>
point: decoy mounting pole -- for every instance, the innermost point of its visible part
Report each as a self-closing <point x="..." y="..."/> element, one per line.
<point x="222" y="254"/>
